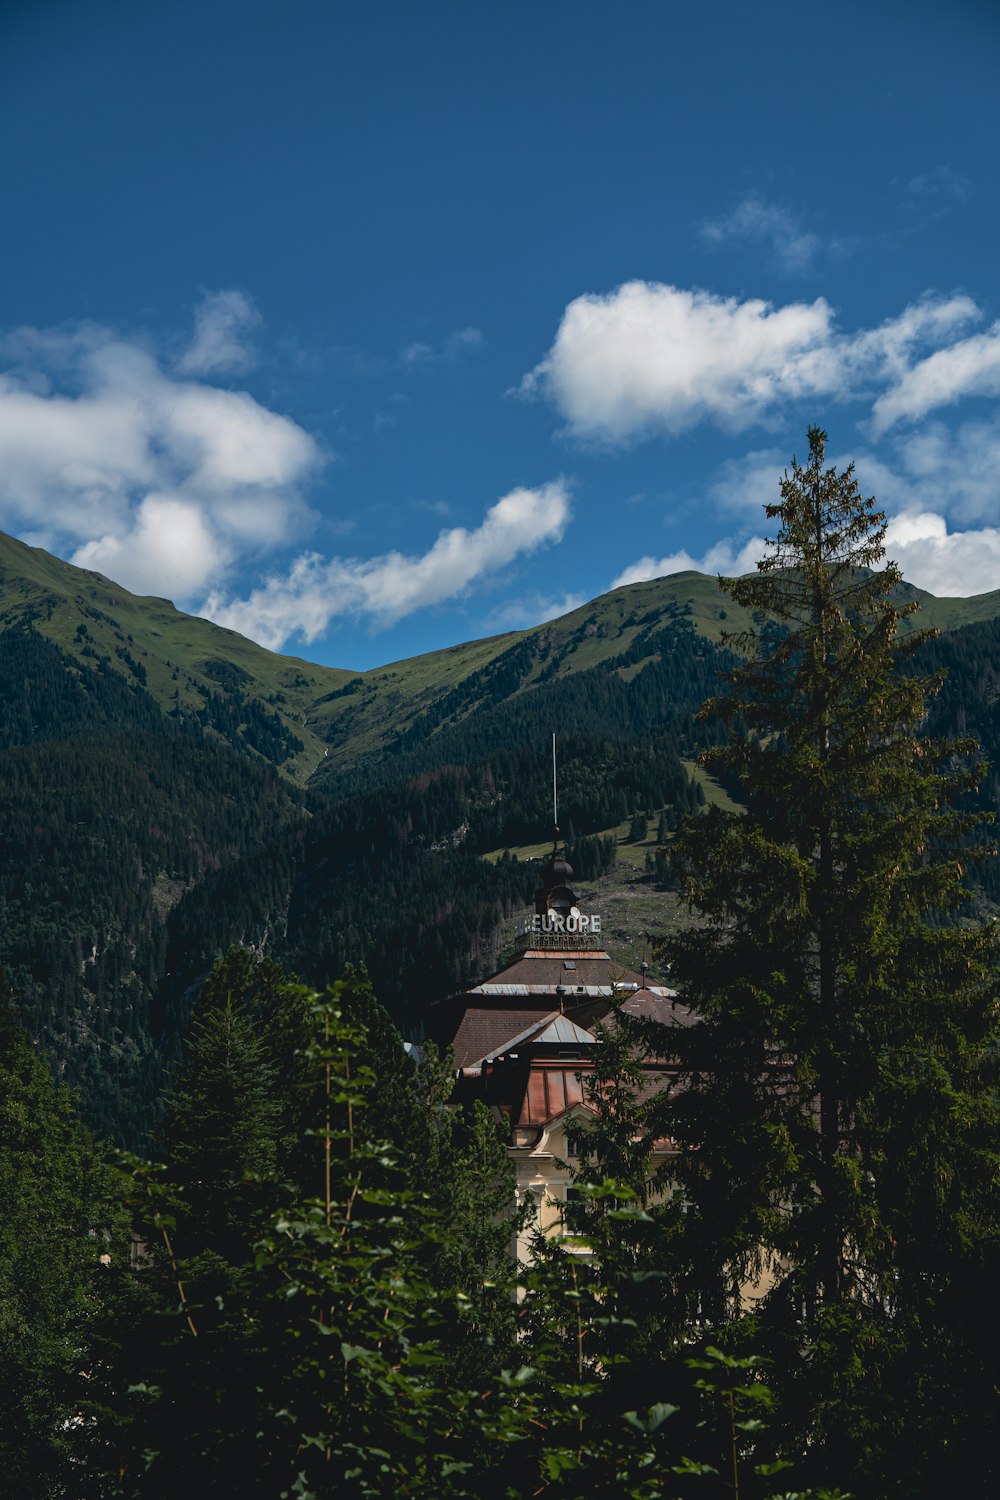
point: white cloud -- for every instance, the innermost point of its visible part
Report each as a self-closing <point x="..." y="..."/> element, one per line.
<point x="943" y="562"/>
<point x="227" y="441"/>
<point x="169" y="549"/>
<point x="970" y="367"/>
<point x="650" y="357"/>
<point x="749" y="482"/>
<point x="946" y="563"/>
<point x="726" y="557"/>
<point x="222" y="323"/>
<point x="914" y="483"/>
<point x="314" y="591"/>
<point x="158" y="479"/>
<point x="949" y="471"/>
<point x="762" y="223"/>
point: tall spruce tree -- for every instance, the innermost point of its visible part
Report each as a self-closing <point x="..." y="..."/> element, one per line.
<point x="838" y="1113"/>
<point x="221" y="1126"/>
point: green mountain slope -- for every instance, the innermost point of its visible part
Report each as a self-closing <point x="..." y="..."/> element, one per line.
<point x="384" y="711"/>
<point x="326" y="718"/>
<point x="183" y="662"/>
<point x="168" y="788"/>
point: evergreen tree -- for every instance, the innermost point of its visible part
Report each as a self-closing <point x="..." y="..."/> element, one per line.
<point x="58" y="1235"/>
<point x="838" y="1114"/>
<point x="188" y="1361"/>
<point x="462" y="1169"/>
<point x="220" y="1133"/>
<point x="634" y="1400"/>
<point x="638" y="828"/>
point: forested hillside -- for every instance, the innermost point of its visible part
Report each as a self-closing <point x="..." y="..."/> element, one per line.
<point x="146" y="828"/>
<point x="138" y="846"/>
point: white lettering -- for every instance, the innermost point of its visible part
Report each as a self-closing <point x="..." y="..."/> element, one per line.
<point x="554" y="922"/>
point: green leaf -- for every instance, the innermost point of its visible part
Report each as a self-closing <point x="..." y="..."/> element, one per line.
<point x="654" y="1417"/>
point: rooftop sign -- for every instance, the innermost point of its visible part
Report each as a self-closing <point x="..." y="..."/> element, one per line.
<point x="552" y="922"/>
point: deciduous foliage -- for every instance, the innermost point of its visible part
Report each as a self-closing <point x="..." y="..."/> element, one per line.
<point x="263" y="1340"/>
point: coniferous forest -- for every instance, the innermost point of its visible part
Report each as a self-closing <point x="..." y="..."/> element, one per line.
<point x="247" y="1247"/>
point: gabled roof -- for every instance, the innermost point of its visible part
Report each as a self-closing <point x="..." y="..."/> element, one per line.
<point x="552" y="1029"/>
<point x="484" y="1031"/>
<point x="549" y="1091"/>
<point x="564" y="1031"/>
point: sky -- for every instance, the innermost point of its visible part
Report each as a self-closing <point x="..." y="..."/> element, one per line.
<point x="368" y="329"/>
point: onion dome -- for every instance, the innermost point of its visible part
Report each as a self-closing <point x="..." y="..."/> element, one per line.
<point x="554" y="893"/>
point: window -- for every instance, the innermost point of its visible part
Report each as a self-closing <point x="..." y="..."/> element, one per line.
<point x="573" y="1217"/>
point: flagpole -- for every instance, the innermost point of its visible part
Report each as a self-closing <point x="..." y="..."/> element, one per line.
<point x="555" y="798"/>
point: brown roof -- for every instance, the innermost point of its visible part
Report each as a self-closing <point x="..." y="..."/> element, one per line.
<point x="485" y="1029"/>
<point x="494" y="1014"/>
<point x="542" y="966"/>
<point x="652" y="1006"/>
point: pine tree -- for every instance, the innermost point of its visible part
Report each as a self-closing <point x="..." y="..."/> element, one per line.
<point x="221" y="1126"/>
<point x="58" y="1225"/>
<point x="461" y="1168"/>
<point x="186" y="1360"/>
<point x="837" y="1112"/>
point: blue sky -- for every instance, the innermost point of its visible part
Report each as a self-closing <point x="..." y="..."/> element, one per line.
<point x="366" y="329"/>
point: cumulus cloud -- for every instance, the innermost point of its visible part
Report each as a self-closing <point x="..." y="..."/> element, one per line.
<point x="223" y="322"/>
<point x="650" y="357"/>
<point x="915" y="482"/>
<point x="757" y="222"/>
<point x="726" y="557"/>
<point x="944" y="562"/>
<point x="950" y="471"/>
<point x="748" y="483"/>
<point x="159" y="478"/>
<point x="169" y="540"/>
<point x="970" y="367"/>
<point x="385" y="589"/>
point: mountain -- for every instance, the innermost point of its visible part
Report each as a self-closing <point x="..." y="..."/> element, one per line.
<point x="168" y="788"/>
<point x="183" y="662"/>
<point x="312" y="722"/>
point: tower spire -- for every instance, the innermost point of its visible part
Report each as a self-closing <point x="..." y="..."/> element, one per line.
<point x="555" y="792"/>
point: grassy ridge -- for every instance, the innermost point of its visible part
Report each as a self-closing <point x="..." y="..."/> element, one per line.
<point x="177" y="657"/>
<point x="341" y="717"/>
